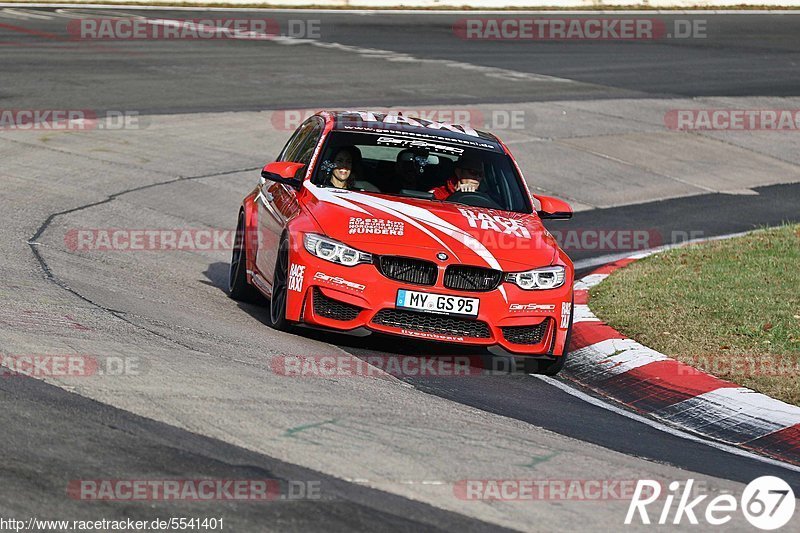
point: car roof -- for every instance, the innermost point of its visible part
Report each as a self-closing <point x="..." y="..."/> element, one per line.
<point x="380" y="122"/>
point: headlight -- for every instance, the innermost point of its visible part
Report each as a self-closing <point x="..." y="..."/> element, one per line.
<point x="539" y="278"/>
<point x="334" y="251"/>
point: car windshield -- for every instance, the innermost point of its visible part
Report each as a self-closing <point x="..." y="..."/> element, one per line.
<point x="433" y="167"/>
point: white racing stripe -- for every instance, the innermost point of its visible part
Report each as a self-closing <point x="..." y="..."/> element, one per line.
<point x="440" y="224"/>
<point x="325" y="195"/>
<point x="417" y="225"/>
<point x="663" y="427"/>
<point x="413" y="215"/>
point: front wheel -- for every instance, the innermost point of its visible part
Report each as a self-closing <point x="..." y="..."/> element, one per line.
<point x="551" y="368"/>
<point x="277" y="304"/>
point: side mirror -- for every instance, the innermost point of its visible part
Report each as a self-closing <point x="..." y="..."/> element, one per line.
<point x="284" y="172"/>
<point x="553" y="208"/>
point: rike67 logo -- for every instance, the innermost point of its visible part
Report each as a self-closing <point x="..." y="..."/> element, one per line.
<point x="767" y="503"/>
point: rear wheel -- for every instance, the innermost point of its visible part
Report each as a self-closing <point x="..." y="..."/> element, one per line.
<point x="277" y="304"/>
<point x="238" y="288"/>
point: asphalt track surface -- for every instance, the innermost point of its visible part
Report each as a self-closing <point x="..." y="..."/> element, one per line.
<point x="744" y="56"/>
<point x="741" y="55"/>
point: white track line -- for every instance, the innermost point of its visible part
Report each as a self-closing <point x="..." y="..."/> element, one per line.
<point x="23" y="14"/>
<point x="371" y="53"/>
<point x="661" y="427"/>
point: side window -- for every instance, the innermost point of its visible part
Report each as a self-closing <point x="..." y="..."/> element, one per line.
<point x="291" y="147"/>
<point x="292" y="141"/>
<point x="298" y="145"/>
<point x="306" y="149"/>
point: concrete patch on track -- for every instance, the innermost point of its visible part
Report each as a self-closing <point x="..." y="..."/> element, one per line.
<point x="206" y="361"/>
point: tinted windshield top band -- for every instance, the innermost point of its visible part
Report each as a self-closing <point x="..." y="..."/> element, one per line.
<point x="481" y="145"/>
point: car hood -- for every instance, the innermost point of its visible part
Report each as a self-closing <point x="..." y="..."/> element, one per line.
<point x="384" y="224"/>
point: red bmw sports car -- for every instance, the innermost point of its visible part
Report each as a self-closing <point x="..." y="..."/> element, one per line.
<point x="372" y="222"/>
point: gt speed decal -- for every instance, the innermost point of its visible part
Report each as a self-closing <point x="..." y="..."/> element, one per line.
<point x="520" y="308"/>
<point x="566" y="311"/>
<point x="338" y="281"/>
<point x="376" y="226"/>
<point x="296" y="274"/>
<point x="418" y="143"/>
<point x="496" y="223"/>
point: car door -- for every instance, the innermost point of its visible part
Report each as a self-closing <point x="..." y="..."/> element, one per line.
<point x="277" y="202"/>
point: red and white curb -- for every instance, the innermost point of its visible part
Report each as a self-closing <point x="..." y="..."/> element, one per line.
<point x="605" y="361"/>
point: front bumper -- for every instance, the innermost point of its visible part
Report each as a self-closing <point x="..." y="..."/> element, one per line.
<point x="331" y="296"/>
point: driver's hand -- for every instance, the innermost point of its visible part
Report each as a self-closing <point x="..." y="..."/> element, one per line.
<point x="468" y="185"/>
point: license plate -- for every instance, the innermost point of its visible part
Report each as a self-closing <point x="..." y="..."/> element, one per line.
<point x="437" y="303"/>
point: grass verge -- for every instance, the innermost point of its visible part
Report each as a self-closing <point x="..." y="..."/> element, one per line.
<point x="730" y="308"/>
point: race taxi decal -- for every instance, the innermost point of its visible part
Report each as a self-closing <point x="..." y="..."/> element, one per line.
<point x="566" y="310"/>
<point x="498" y="223"/>
<point x="522" y="308"/>
<point x="338" y="281"/>
<point x="391" y="119"/>
<point x="375" y="226"/>
<point x="296" y="275"/>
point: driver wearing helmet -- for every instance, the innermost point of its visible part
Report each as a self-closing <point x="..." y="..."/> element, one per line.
<point x="468" y="177"/>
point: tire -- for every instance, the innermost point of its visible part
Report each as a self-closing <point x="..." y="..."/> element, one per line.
<point x="526" y="365"/>
<point x="238" y="288"/>
<point x="280" y="288"/>
<point x="553" y="368"/>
